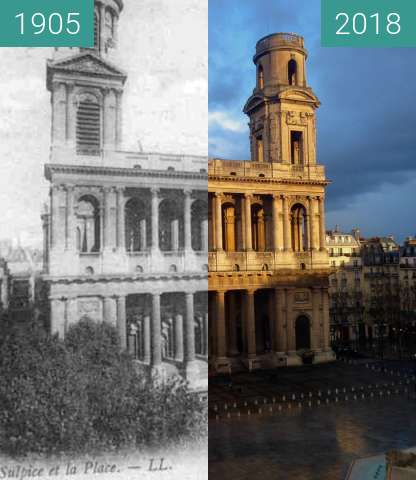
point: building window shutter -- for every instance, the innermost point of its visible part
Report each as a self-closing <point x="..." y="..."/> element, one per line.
<point x="88" y="128"/>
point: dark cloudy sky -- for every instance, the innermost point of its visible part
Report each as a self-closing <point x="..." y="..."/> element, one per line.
<point x="366" y="124"/>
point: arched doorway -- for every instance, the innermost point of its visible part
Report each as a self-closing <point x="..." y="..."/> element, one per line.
<point x="303" y="333"/>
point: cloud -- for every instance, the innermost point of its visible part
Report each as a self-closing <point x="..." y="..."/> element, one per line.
<point x="225" y="121"/>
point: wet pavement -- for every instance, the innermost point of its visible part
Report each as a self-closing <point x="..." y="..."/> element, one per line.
<point x="317" y="443"/>
<point x="309" y="444"/>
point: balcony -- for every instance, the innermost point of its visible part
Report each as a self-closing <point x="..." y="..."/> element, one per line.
<point x="278" y="171"/>
<point x="129" y="159"/>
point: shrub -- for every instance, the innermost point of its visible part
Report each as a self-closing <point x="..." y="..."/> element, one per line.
<point x="83" y="393"/>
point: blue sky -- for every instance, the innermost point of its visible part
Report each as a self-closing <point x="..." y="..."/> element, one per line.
<point x="366" y="124"/>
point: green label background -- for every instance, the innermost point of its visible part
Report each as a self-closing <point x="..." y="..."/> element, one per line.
<point x="10" y="35"/>
<point x="329" y="26"/>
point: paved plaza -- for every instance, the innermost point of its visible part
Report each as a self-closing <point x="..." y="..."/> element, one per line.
<point x="310" y="443"/>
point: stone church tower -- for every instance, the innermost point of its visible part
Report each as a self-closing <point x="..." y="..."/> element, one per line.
<point x="268" y="278"/>
<point x="125" y="233"/>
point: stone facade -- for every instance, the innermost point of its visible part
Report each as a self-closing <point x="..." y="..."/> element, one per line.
<point x="268" y="262"/>
<point x="125" y="233"/>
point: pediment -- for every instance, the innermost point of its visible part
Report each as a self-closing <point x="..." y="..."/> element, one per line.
<point x="300" y="95"/>
<point x="253" y="102"/>
<point x="87" y="63"/>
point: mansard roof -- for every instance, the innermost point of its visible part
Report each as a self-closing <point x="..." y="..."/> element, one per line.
<point x="85" y="63"/>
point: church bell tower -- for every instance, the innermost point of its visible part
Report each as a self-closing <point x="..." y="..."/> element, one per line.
<point x="282" y="106"/>
<point x="86" y="93"/>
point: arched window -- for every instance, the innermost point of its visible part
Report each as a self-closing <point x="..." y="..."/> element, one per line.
<point x="88" y="125"/>
<point x="299" y="228"/>
<point x="171" y="228"/>
<point x="88" y="224"/>
<point x="292" y="72"/>
<point x="258" y="227"/>
<point x="260" y="77"/>
<point x="137" y="226"/>
<point x="199" y="223"/>
<point x="228" y="228"/>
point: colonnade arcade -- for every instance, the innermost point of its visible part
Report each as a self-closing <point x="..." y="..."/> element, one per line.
<point x="245" y="222"/>
<point x="254" y="322"/>
<point x="91" y="219"/>
<point x="155" y="327"/>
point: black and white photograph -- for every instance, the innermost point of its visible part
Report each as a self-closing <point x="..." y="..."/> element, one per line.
<point x="103" y="249"/>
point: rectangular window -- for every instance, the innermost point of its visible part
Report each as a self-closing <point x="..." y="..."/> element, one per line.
<point x="296" y="148"/>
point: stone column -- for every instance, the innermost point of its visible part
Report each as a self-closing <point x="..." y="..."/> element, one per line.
<point x="190" y="328"/>
<point x="247" y="214"/>
<point x="102" y="28"/>
<point x="121" y="232"/>
<point x="204" y="235"/>
<point x="220" y="330"/>
<point x="121" y="321"/>
<point x="110" y="312"/>
<point x="71" y="115"/>
<point x="179" y="338"/>
<point x="70" y="218"/>
<point x="232" y="324"/>
<point x="311" y="208"/>
<point x="286" y="226"/>
<point x="325" y="319"/>
<point x="58" y="218"/>
<point x="280" y="341"/>
<point x="218" y="221"/>
<point x="316" y="320"/>
<point x="276" y="229"/>
<point x="59" y="99"/>
<point x="250" y="324"/>
<point x="322" y="232"/>
<point x="205" y="344"/>
<point x="156" y="353"/>
<point x="187" y="220"/>
<point x="155" y="219"/>
<point x="290" y="326"/>
<point x="147" y="340"/>
<point x="119" y="117"/>
<point x="107" y="219"/>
